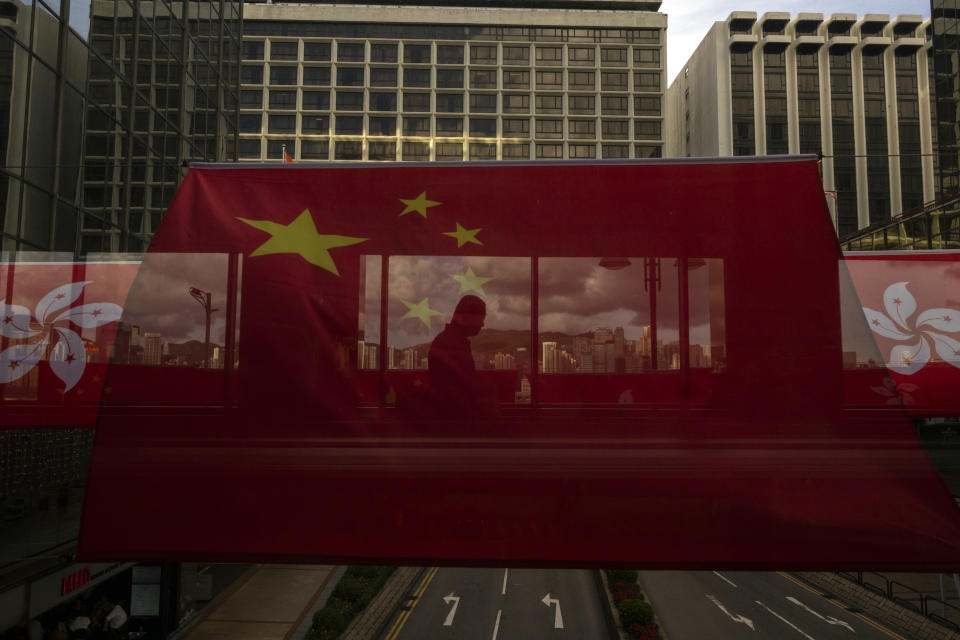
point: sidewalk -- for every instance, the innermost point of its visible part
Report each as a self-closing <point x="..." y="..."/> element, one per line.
<point x="276" y="602"/>
<point x="927" y="584"/>
<point x="871" y="600"/>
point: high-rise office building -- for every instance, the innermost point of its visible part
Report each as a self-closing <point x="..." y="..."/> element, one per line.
<point x="452" y="81"/>
<point x="855" y="89"/>
<point x="551" y="358"/>
<point x="100" y="104"/>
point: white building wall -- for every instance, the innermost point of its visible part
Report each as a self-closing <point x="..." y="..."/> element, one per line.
<point x="702" y="90"/>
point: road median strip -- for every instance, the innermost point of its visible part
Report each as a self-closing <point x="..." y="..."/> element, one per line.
<point x="632" y="615"/>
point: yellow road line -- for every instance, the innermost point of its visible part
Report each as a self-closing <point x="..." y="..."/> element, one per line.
<point x="870" y="622"/>
<point x="402" y="618"/>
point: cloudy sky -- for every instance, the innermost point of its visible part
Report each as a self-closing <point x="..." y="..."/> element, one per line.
<point x="690" y="21"/>
<point x="160" y="301"/>
<point x="576" y="296"/>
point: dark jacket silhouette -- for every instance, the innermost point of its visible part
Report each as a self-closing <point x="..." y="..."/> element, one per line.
<point x="450" y="361"/>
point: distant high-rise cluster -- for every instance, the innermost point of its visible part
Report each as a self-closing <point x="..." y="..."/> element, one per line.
<point x="504" y="361"/>
<point x="606" y="351"/>
<point x="598" y="351"/>
<point x="409" y="359"/>
<point x="134" y="345"/>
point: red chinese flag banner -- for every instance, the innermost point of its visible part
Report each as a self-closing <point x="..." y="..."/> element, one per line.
<point x="636" y="364"/>
<point x="58" y="323"/>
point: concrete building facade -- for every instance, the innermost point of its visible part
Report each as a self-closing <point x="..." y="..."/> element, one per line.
<point x="535" y="80"/>
<point x="856" y="90"/>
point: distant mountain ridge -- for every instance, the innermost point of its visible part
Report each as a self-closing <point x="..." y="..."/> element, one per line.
<point x="190" y="351"/>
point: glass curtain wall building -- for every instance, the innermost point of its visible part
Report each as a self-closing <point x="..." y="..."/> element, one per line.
<point x="353" y="82"/>
<point x="100" y="104"/>
<point x="945" y="18"/>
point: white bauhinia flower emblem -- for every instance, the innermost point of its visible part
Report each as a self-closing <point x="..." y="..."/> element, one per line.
<point x="925" y="333"/>
<point x="67" y="356"/>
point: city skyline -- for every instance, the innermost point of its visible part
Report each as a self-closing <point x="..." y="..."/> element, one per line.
<point x="600" y="350"/>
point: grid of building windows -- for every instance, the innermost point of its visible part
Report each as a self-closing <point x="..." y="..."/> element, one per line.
<point x="844" y="149"/>
<point x="364" y="91"/>
<point x="945" y="74"/>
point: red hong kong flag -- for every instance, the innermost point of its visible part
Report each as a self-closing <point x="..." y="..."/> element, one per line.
<point x="533" y="364"/>
<point x="57" y="327"/>
<point x="912" y="309"/>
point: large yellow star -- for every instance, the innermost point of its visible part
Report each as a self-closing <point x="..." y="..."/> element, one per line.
<point x="420" y="310"/>
<point x="471" y="282"/>
<point x="300" y="237"/>
<point x="464" y="236"/>
<point x="420" y="204"/>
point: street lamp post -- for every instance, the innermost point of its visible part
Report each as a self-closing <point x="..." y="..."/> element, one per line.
<point x="204" y="298"/>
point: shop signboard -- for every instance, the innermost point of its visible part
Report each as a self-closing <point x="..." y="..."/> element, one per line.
<point x="69" y="582"/>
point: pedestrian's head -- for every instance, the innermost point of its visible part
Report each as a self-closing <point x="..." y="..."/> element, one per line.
<point x="470" y="314"/>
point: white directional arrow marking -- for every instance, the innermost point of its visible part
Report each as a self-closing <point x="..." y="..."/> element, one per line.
<point x="827" y="619"/>
<point x="737" y="618"/>
<point x="557" y="618"/>
<point x="786" y="622"/>
<point x="455" y="600"/>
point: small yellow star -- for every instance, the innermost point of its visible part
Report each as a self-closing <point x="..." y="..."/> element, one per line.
<point x="471" y="282"/>
<point x="464" y="236"/>
<point x="420" y="204"/>
<point x="300" y="237"/>
<point x="420" y="310"/>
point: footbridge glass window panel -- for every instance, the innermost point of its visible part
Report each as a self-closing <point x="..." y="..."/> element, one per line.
<point x="642" y="330"/>
<point x="449" y="316"/>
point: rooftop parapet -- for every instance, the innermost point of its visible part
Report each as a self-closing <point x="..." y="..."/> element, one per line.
<point x="774" y="22"/>
<point x="872" y="24"/>
<point x="839" y="24"/>
<point x="805" y="24"/>
<point x="905" y="26"/>
<point x="741" y="21"/>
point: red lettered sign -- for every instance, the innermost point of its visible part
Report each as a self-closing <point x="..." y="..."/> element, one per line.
<point x="636" y="364"/>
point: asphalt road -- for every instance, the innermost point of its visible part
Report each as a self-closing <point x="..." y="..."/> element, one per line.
<point x="502" y="604"/>
<point x="751" y="606"/>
